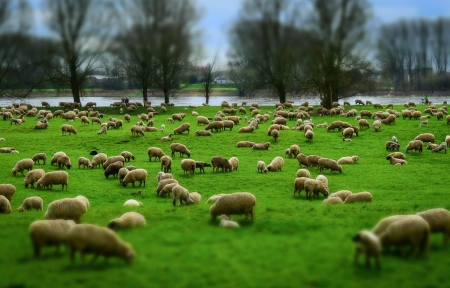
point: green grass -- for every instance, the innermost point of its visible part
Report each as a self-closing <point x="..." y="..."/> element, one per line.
<point x="291" y="242"/>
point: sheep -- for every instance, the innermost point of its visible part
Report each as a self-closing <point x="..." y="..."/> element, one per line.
<point x="98" y="160"/>
<point x="234" y="163"/>
<point x="166" y="163"/>
<point x="8" y="191"/>
<point x="33" y="176"/>
<point x="323" y="179"/>
<point x="294" y="150"/>
<point x="431" y="146"/>
<point x="424" y="123"/>
<point x="21" y="165"/>
<point x="228" y="124"/>
<point x="276" y="164"/>
<point x="188" y="165"/>
<point x="316" y="187"/>
<point x="309" y="135"/>
<point x="227" y="223"/>
<point x="363" y="123"/>
<point x="85" y="120"/>
<point x="367" y="243"/>
<point x="332" y="200"/>
<point x="67" y="209"/>
<point x="182" y="128"/>
<point x="358" y="197"/>
<point x="201" y="165"/>
<point x="299" y="185"/>
<point x="113" y="169"/>
<point x="202" y="120"/>
<point x="196" y="197"/>
<point x="39" y="156"/>
<point x="135" y="130"/>
<point x="348" y="132"/>
<point x="154" y="152"/>
<point x="389" y="120"/>
<point x="326" y="163"/>
<point x="343" y="194"/>
<point x="102" y="130"/>
<point x="88" y="238"/>
<point x="377" y="125"/>
<point x="221" y="162"/>
<point x="382" y="225"/>
<point x="411" y="230"/>
<point x="53" y="178"/>
<point x="414" y="145"/>
<point x="113" y="159"/>
<point x="348" y="160"/>
<point x="398" y="155"/>
<point x="132" y="203"/>
<point x="303" y="160"/>
<point x="64" y="160"/>
<point x="6" y="150"/>
<point x="5" y="205"/>
<point x="166" y="138"/>
<point x="303" y="173"/>
<point x="181" y="193"/>
<point x="167" y="189"/>
<point x="68" y="128"/>
<point x="390" y="145"/>
<point x="203" y="133"/>
<point x="178" y="147"/>
<point x="261" y="146"/>
<point x="127" y="220"/>
<point x="49" y="233"/>
<point x="214" y="198"/>
<point x="127" y="155"/>
<point x="237" y="203"/>
<point x="395" y="161"/>
<point x="442" y="146"/>
<point x="216" y="125"/>
<point x="261" y="166"/>
<point x="439" y="221"/>
<point x="425" y="137"/>
<point x="122" y="173"/>
<point x="85" y="162"/>
<point x="249" y="129"/>
<point x="30" y="203"/>
<point x="135" y="175"/>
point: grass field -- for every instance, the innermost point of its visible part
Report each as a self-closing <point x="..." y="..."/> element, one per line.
<point x="292" y="242"/>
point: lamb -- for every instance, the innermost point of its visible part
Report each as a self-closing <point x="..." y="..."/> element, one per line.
<point x="166" y="163"/>
<point x="64" y="160"/>
<point x="412" y="230"/>
<point x="182" y="128"/>
<point x="424" y="123"/>
<point x="276" y="164"/>
<point x="299" y="184"/>
<point x="398" y="155"/>
<point x="348" y="160"/>
<point x="261" y="146"/>
<point x="167" y="189"/>
<point x="127" y="155"/>
<point x="154" y="152"/>
<point x="98" y="160"/>
<point x="358" y="197"/>
<point x="135" y="175"/>
<point x="196" y="197"/>
<point x="166" y="138"/>
<point x="132" y="203"/>
<point x="203" y="133"/>
<point x="178" y="147"/>
<point x="163" y="127"/>
<point x="127" y="220"/>
<point x="316" y="187"/>
<point x="439" y="221"/>
<point x="33" y="176"/>
<point x="181" y="193"/>
<point x="261" y="166"/>
<point x="188" y="165"/>
<point x="39" y="156"/>
<point x="343" y="194"/>
<point x="113" y="159"/>
<point x="214" y="198"/>
<point x="234" y="204"/>
<point x="227" y="223"/>
<point x="5" y="205"/>
<point x="390" y="145"/>
<point x="88" y="238"/>
<point x="385" y="222"/>
<point x="21" y="165"/>
<point x="201" y="165"/>
<point x="49" y="233"/>
<point x="332" y="200"/>
<point x="68" y="128"/>
<point x="395" y="161"/>
<point x="431" y="146"/>
<point x="234" y="163"/>
<point x="85" y="162"/>
<point x="53" y="178"/>
<point x="67" y="209"/>
<point x="442" y="146"/>
<point x="326" y="163"/>
<point x="7" y="190"/>
<point x="367" y="243"/>
<point x="221" y="162"/>
<point x="30" y="203"/>
<point x="425" y="137"/>
<point x="415" y="145"/>
<point x="113" y="169"/>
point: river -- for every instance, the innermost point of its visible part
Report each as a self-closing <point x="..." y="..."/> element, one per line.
<point x="217" y="100"/>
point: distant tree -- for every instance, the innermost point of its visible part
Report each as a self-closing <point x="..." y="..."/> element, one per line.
<point x="208" y="76"/>
<point x="244" y="77"/>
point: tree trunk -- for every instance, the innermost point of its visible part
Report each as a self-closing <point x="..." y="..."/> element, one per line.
<point x="207" y="98"/>
<point x="166" y="96"/>
<point x="241" y="93"/>
<point x="74" y="84"/>
<point x="282" y="95"/>
<point x="144" y="94"/>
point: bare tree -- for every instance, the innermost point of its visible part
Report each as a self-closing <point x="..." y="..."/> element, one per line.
<point x="244" y="77"/>
<point x="207" y="73"/>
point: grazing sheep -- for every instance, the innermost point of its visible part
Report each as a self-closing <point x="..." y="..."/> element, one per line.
<point x="343" y="194"/>
<point x="303" y="173"/>
<point x="316" y="187"/>
<point x="21" y="165"/>
<point x="203" y="133"/>
<point x="135" y="130"/>
<point x="313" y="160"/>
<point x="367" y="243"/>
<point x="167" y="189"/>
<point x="221" y="162"/>
<point x="181" y="193"/>
<point x="431" y="146"/>
<point x="332" y="200"/>
<point x="135" y="175"/>
<point x="196" y="197"/>
<point x="127" y="155"/>
<point x="323" y="179"/>
<point x="249" y="129"/>
<point x="202" y="120"/>
<point x="122" y="173"/>
<point x="5" y="205"/>
<point x="303" y="160"/>
<point x="424" y="123"/>
<point x="415" y="145"/>
<point x="132" y="203"/>
<point x="33" y="176"/>
<point x="411" y="230"/>
<point x="309" y="135"/>
<point x="348" y="132"/>
<point x="442" y="146"/>
<point x="53" y="178"/>
<point x="216" y="125"/>
<point x="425" y="137"/>
<point x="261" y="166"/>
<point x="8" y="191"/>
<point x="377" y="125"/>
<point x="166" y="163"/>
<point x="39" y="156"/>
<point x="188" y="165"/>
<point x="62" y="161"/>
<point x="49" y="233"/>
<point x="299" y="185"/>
<point x="178" y="147"/>
<point x="395" y="161"/>
<point x="88" y="238"/>
<point x="68" y="128"/>
<point x="234" y="163"/>
<point x="201" y="165"/>
<point x="98" y="160"/>
<point x="261" y="146"/>
<point x="154" y="152"/>
<point x="326" y="163"/>
<point x="234" y="204"/>
<point x="113" y="169"/>
<point x="439" y="221"/>
<point x="389" y="120"/>
<point x="67" y="209"/>
<point x="275" y="134"/>
<point x="276" y="164"/>
<point x="385" y="222"/>
<point x="113" y="159"/>
<point x="358" y="197"/>
<point x="182" y="128"/>
<point x="85" y="162"/>
<point x="102" y="130"/>
<point x="294" y="150"/>
<point x="348" y="160"/>
<point x="30" y="203"/>
<point x="127" y="220"/>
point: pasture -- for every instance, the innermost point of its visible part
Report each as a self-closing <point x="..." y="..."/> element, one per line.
<point x="292" y="242"/>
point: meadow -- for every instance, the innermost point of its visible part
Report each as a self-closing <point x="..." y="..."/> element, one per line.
<point x="292" y="242"/>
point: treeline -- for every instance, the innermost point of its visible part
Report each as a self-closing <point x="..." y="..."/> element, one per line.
<point x="286" y="46"/>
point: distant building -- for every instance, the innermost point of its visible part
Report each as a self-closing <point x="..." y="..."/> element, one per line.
<point x="222" y="80"/>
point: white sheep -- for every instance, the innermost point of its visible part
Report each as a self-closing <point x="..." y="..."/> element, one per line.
<point x="68" y="128"/>
<point x="127" y="220"/>
<point x="234" y="204"/>
<point x="135" y="175"/>
<point x="85" y="162"/>
<point x="276" y="164"/>
<point x="323" y="179"/>
<point x="53" y="178"/>
<point x="7" y="190"/>
<point x="30" y="203"/>
<point x="33" y="176"/>
<point x="39" y="156"/>
<point x="66" y="208"/>
<point x="343" y="194"/>
<point x="102" y="130"/>
<point x="382" y="225"/>
<point x="127" y="155"/>
<point x="214" y="198"/>
<point x="261" y="166"/>
<point x="163" y="183"/>
<point x="167" y="138"/>
<point x="132" y="202"/>
<point x="348" y="160"/>
<point x="167" y="189"/>
<point x="49" y="233"/>
<point x="367" y="243"/>
<point x="21" y="165"/>
<point x="316" y="187"/>
<point x="88" y="238"/>
<point x="234" y="163"/>
<point x="303" y="173"/>
<point x="188" y="166"/>
<point x="163" y="127"/>
<point x="98" y="160"/>
<point x="5" y="205"/>
<point x="181" y="193"/>
<point x="196" y="197"/>
<point x="358" y="197"/>
<point x="332" y="200"/>
<point x="161" y="176"/>
<point x="439" y="221"/>
<point x="227" y="223"/>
